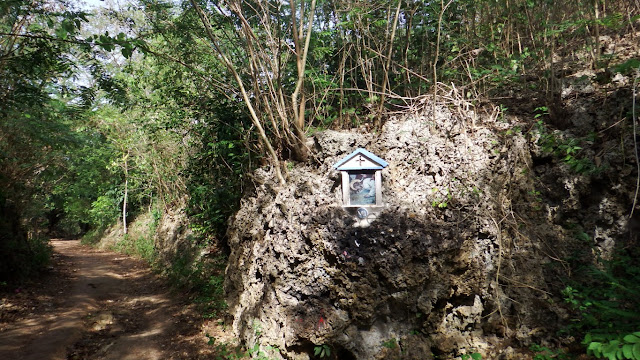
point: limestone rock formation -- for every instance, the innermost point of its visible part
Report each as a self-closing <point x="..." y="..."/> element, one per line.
<point x="465" y="257"/>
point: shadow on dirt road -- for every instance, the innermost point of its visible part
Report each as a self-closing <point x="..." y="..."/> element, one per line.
<point x="99" y="305"/>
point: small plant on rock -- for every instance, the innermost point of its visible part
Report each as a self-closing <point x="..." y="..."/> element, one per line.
<point x="390" y="344"/>
<point x="568" y="150"/>
<point x="544" y="353"/>
<point x="472" y="356"/>
<point x="322" y="351"/>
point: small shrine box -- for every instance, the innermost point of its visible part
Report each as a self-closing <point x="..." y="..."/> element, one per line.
<point x="361" y="179"/>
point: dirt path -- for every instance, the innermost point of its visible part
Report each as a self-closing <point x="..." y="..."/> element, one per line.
<point x="98" y="305"/>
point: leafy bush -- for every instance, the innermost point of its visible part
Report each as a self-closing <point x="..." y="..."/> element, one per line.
<point x="544" y="353"/>
<point x="93" y="236"/>
<point x="568" y="150"/>
<point x="217" y="170"/>
<point x="144" y="247"/>
<point x="205" y="277"/>
<point x="625" y="347"/>
<point x="105" y="210"/>
<point x="607" y="301"/>
<point x="627" y="67"/>
<point x="211" y="296"/>
<point x="224" y="351"/>
<point x="472" y="356"/>
<point x="23" y="257"/>
<point x="322" y="351"/>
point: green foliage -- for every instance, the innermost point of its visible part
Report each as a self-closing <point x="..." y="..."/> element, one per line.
<point x="390" y="344"/>
<point x="46" y="185"/>
<point x="105" y="210"/>
<point x="322" y="351"/>
<point x="189" y="141"/>
<point x="224" y="351"/>
<point x="540" y="112"/>
<point x="217" y="171"/>
<point x="442" y="199"/>
<point x="472" y="356"/>
<point x="141" y="246"/>
<point x="93" y="236"/>
<point x="627" y="67"/>
<point x="606" y="298"/>
<point x="568" y="150"/>
<point x="610" y="301"/>
<point x="22" y="258"/>
<point x="144" y="247"/>
<point x="204" y="277"/>
<point x="544" y="353"/>
<point x="211" y="297"/>
<point x="604" y="347"/>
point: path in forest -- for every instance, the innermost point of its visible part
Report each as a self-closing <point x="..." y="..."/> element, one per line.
<point x="99" y="305"/>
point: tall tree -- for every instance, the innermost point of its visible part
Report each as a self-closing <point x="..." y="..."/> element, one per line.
<point x="274" y="37"/>
<point x="38" y="113"/>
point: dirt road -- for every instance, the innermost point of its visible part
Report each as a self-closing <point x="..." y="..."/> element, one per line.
<point x="98" y="305"/>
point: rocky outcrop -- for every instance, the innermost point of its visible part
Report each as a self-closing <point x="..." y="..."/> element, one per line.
<point x="467" y="255"/>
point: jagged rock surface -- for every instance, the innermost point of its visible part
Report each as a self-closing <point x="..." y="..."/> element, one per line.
<point x="467" y="256"/>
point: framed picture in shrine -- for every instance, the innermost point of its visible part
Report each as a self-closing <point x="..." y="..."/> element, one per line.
<point x="361" y="179"/>
<point x="362" y="189"/>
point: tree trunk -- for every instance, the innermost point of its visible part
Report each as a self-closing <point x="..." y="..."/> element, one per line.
<point x="126" y="194"/>
<point x="387" y="66"/>
<point x="300" y="152"/>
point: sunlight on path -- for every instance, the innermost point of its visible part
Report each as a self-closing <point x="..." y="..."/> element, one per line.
<point x="110" y="298"/>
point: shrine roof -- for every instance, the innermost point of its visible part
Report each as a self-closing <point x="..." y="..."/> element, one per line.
<point x="371" y="161"/>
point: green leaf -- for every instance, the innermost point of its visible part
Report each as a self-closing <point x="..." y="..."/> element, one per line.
<point x="476" y="356"/>
<point x="610" y="350"/>
<point x="317" y="350"/>
<point x="587" y="338"/>
<point x="61" y="33"/>
<point x="631" y="338"/>
<point x="68" y="26"/>
<point x="627" y="351"/>
<point x="127" y="52"/>
<point x="636" y="350"/>
<point x="595" y="349"/>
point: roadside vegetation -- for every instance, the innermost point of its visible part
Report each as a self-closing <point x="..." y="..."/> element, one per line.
<point x="156" y="107"/>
